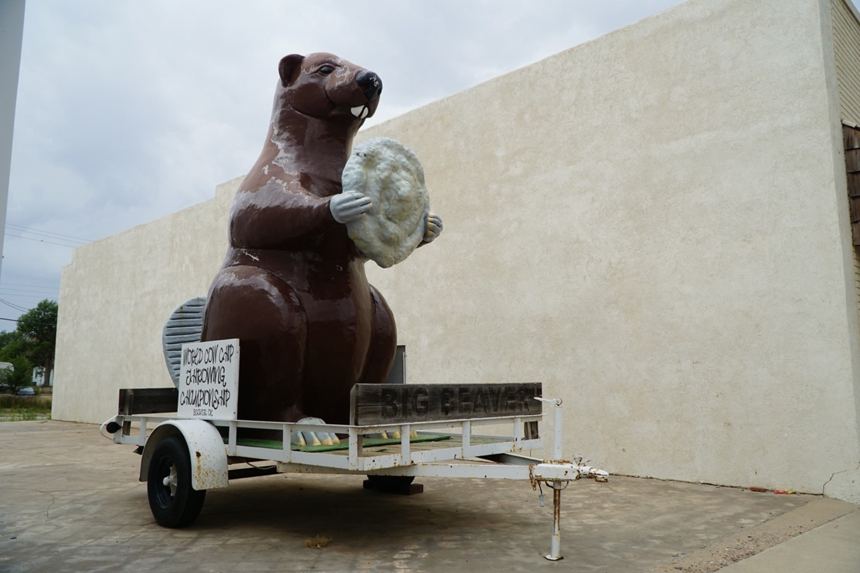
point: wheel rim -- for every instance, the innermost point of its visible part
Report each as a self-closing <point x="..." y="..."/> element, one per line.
<point x="166" y="486"/>
<point x="170" y="481"/>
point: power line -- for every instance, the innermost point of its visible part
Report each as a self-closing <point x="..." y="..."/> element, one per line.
<point x="47" y="233"/>
<point x="40" y="235"/>
<point x="15" y="306"/>
<point x="43" y="241"/>
<point x="15" y="293"/>
<point x="36" y="323"/>
<point x="32" y="286"/>
<point x="28" y="289"/>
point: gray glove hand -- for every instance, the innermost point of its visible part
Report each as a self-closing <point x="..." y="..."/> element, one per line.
<point x="349" y="206"/>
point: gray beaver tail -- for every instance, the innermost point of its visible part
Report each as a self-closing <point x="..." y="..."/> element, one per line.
<point x="184" y="325"/>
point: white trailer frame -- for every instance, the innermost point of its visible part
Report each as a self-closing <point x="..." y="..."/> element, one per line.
<point x="467" y="455"/>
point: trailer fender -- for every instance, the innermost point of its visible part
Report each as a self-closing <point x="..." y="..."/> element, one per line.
<point x="205" y="447"/>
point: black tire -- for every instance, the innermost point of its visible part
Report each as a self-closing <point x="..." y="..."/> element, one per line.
<point x="178" y="506"/>
<point x="390" y="482"/>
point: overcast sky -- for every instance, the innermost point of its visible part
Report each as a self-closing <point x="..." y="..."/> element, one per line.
<point x="129" y="111"/>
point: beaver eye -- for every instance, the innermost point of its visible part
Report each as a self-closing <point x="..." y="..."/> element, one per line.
<point x="326" y="70"/>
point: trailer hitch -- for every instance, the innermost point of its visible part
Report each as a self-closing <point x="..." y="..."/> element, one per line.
<point x="557" y="474"/>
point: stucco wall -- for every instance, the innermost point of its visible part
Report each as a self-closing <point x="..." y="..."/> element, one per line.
<point x="115" y="297"/>
<point x="647" y="223"/>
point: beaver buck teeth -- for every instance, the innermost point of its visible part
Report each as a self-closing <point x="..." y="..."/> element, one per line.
<point x="359" y="111"/>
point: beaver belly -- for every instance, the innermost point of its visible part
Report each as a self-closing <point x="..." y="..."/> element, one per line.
<point x="391" y="175"/>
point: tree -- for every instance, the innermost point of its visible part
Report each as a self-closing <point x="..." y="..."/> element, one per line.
<point x="7" y="338"/>
<point x="11" y="346"/>
<point x="20" y="375"/>
<point x="37" y="329"/>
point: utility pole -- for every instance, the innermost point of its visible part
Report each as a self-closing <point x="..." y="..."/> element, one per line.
<point x="11" y="34"/>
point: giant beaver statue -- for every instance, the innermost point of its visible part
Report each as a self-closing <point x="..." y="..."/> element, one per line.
<point x="292" y="288"/>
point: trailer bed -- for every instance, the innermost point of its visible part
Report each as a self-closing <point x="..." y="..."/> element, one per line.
<point x="361" y="450"/>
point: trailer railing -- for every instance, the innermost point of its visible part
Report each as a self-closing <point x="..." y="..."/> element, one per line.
<point x="460" y="441"/>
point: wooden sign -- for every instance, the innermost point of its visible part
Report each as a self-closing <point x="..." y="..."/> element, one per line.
<point x="209" y="380"/>
<point x="147" y="400"/>
<point x="406" y="403"/>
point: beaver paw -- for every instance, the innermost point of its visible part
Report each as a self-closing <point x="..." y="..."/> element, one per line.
<point x="349" y="206"/>
<point x="308" y="438"/>
<point x="432" y="227"/>
<point x="392" y="435"/>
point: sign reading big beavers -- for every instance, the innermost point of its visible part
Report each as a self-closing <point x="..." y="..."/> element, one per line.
<point x="404" y="403"/>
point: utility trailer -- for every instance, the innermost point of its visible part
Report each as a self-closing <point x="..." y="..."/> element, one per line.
<point x="397" y="433"/>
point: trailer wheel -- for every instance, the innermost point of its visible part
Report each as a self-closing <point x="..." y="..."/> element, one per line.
<point x="174" y="503"/>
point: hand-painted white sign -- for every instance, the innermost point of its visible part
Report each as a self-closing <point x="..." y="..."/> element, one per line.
<point x="209" y="380"/>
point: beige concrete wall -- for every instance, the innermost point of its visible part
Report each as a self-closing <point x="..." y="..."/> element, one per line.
<point x="650" y="223"/>
<point x="115" y="297"/>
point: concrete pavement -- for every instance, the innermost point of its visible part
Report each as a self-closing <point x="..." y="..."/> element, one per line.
<point x="836" y="544"/>
<point x="70" y="501"/>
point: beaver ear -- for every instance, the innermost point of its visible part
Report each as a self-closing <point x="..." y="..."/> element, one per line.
<point x="288" y="66"/>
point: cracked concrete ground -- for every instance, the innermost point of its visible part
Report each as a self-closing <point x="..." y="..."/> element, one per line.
<point x="71" y="502"/>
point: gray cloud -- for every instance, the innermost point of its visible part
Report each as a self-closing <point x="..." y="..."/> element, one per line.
<point x="128" y="111"/>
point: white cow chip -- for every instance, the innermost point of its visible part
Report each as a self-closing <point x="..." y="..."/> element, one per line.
<point x="391" y="175"/>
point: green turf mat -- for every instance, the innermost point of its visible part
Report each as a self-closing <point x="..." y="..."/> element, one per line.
<point x="343" y="445"/>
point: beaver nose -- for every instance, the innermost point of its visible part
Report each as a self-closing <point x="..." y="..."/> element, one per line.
<point x="370" y="84"/>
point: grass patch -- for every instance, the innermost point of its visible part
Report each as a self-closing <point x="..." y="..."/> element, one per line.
<point x="19" y="402"/>
<point x="23" y="415"/>
<point x="24" y="408"/>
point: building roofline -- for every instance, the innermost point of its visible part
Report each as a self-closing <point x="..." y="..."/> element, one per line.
<point x="853" y="9"/>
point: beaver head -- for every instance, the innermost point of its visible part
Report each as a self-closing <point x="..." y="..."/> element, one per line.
<point x="326" y="87"/>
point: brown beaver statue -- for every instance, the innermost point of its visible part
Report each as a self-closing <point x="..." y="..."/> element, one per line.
<point x="292" y="288"/>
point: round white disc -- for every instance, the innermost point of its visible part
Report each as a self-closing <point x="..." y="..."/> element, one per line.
<point x="391" y="175"/>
